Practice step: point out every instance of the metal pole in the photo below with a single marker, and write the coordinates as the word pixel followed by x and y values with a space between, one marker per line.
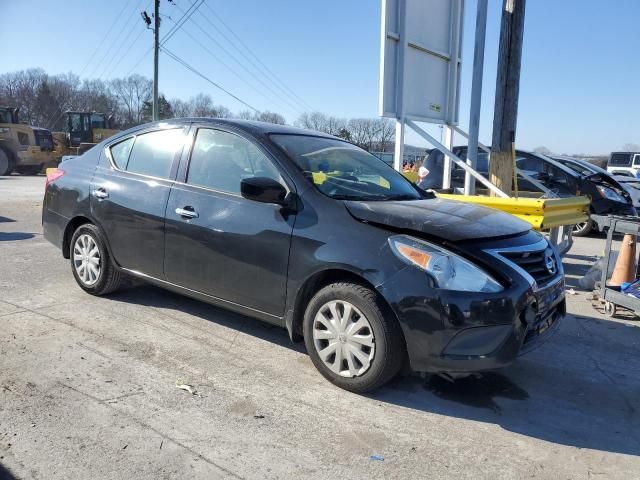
pixel 448 142
pixel 476 95
pixel 398 154
pixel 156 46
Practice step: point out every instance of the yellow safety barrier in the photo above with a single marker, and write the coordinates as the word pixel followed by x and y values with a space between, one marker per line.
pixel 541 213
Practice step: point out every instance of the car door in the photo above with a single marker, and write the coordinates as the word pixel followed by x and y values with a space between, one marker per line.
pixel 129 194
pixel 218 242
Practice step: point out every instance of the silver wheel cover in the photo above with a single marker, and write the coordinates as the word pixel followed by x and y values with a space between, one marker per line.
pixel 343 338
pixel 86 259
pixel 578 227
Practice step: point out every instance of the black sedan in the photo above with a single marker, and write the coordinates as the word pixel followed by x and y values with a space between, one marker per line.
pixel 309 232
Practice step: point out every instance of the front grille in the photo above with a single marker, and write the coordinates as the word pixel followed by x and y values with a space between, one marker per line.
pixel 534 263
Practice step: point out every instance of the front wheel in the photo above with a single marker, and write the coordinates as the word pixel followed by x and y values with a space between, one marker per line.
pixel 583 229
pixel 6 163
pixel 352 337
pixel 91 264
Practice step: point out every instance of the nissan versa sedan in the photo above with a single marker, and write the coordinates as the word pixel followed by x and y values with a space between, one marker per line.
pixel 309 232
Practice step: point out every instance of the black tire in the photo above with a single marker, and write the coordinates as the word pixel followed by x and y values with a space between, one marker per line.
pixel 583 229
pixel 389 352
pixel 6 162
pixel 109 278
pixel 29 169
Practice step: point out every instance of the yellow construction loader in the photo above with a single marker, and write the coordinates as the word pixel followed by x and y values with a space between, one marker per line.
pixel 23 148
pixel 83 130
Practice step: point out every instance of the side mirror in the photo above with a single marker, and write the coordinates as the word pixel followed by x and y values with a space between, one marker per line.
pixel 264 190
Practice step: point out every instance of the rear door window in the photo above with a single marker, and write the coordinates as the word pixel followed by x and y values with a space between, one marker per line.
pixel 153 153
pixel 220 160
pixel 636 160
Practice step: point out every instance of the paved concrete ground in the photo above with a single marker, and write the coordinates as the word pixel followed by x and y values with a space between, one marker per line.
pixel 88 389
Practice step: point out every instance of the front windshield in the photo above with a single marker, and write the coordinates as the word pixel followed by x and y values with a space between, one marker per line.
pixel 343 171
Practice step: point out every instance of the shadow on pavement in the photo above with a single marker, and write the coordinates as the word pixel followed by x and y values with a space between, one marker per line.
pixel 581 388
pixel 13 236
pixel 573 273
pixel 156 297
pixel 5 474
pixel 6 219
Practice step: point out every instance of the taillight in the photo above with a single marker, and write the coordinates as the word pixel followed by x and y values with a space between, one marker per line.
pixel 52 175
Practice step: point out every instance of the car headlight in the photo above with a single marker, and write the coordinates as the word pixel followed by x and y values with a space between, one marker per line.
pixel 610 194
pixel 449 270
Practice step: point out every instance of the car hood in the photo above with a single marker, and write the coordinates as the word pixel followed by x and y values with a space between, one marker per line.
pixel 446 219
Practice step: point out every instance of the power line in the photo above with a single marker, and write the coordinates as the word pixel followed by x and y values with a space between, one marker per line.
pixel 125 43
pixel 266 68
pixel 104 38
pixel 204 77
pixel 123 56
pixel 140 61
pixel 176 26
pixel 118 36
pixel 249 60
pixel 228 67
pixel 295 110
pixel 181 21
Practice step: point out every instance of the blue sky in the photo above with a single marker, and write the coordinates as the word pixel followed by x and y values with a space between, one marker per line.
pixel 581 63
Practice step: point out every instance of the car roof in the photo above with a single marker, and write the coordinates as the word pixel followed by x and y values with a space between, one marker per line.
pixel 249 126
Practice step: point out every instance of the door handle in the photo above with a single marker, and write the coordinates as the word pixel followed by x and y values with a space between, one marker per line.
pixel 100 193
pixel 187 212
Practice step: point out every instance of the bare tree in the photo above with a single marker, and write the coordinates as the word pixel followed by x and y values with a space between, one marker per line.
pixel 131 93
pixel 180 108
pixel 386 134
pixel 245 115
pixel 270 117
pixel 543 150
pixel 631 147
pixel 358 129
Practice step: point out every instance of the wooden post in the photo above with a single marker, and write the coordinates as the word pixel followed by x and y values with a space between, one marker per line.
pixel 507 88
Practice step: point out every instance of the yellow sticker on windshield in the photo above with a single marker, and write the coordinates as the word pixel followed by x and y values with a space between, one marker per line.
pixel 319 177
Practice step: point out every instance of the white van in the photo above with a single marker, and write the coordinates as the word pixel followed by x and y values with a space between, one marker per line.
pixel 624 163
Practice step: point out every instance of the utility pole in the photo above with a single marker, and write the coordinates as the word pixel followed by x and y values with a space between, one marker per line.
pixel 156 47
pixel 505 115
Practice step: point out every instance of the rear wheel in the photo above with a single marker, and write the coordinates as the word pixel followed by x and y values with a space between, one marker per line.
pixel 352 338
pixel 6 163
pixel 91 264
pixel 583 229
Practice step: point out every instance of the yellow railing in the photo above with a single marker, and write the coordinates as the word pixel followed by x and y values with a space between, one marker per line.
pixel 541 213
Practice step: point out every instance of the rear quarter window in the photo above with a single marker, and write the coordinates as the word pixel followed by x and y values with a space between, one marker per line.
pixel 120 153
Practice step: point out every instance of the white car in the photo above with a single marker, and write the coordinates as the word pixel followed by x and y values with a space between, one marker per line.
pixel 624 163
